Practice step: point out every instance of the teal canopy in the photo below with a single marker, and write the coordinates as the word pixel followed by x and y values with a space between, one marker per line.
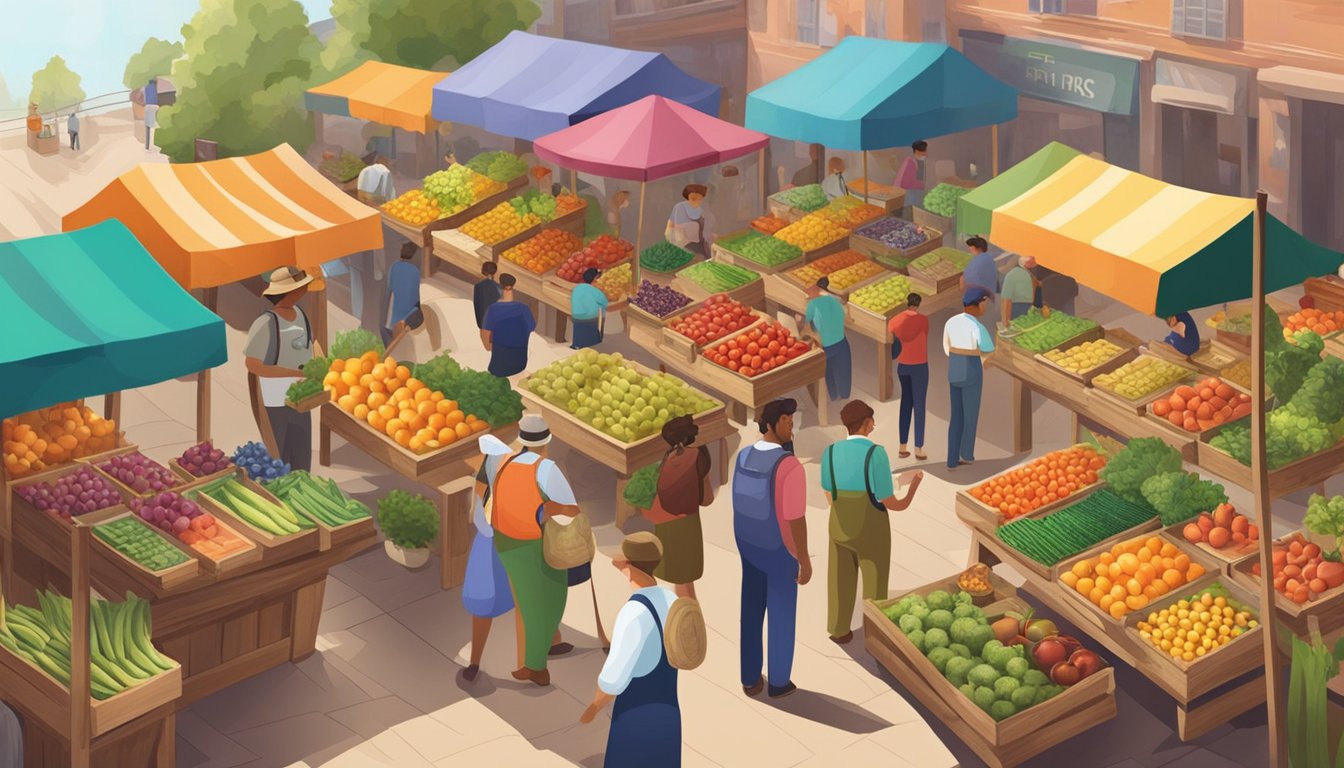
pixel 876 94
pixel 90 312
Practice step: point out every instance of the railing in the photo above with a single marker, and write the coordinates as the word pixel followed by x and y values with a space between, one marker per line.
pixel 94 105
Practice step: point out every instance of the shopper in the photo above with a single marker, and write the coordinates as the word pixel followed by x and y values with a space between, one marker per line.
pixel 769 501
pixel 910 330
pixel 686 227
pixel 834 186
pixel 910 176
pixel 529 489
pixel 279 343
pixel 588 309
pixel 646 719
pixel 826 315
pixel 1019 289
pixel 619 202
pixel 72 126
pixel 485 590
pixel 508 327
pixel 981 272
pixel 486 292
pixel 151 119
pixel 857 474
pixel 403 293
pixel 682 490
pixel 965 339
pixel 1184 336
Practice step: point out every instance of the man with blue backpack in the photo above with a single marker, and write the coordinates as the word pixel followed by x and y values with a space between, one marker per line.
pixel 769 502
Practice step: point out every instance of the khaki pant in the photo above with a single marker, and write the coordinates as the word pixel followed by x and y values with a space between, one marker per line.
pixel 860 544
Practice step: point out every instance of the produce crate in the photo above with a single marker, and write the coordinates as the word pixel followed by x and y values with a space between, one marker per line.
pixel 1139 406
pixel 159 582
pixel 386 450
pixel 94 460
pixel 1010 343
pixel 1230 555
pixel 1128 343
pixel 685 348
pixel 885 195
pixel 233 562
pixel 728 256
pixel 574 222
pixel 1180 430
pixel 783 210
pixel 941 284
pixel 752 293
pixel 190 479
pixel 273 548
pixel 874 324
pixel 556 290
pixel 21 508
pixel 309 403
pixel 1004 743
pixel 1306 471
pixel 930 220
pixel 987 519
pixel 423 235
pixel 1326 608
pixel 335 536
pixel 894 256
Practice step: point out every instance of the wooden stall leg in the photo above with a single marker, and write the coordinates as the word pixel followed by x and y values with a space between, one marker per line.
pixel 112 407
pixel 736 411
pixel 203 406
pixel 455 534
pixel 1021 417
pixel 323 442
pixel 980 553
pixel 1193 722
pixel 723 461
pixel 885 385
pixel 623 509
pixel 307 615
pixel 560 320
pixel 81 731
pixel 821 398
pixel 165 753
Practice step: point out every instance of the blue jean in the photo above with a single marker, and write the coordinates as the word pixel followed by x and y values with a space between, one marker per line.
pixel 769 585
pixel 965 381
pixel 914 391
pixel 839 370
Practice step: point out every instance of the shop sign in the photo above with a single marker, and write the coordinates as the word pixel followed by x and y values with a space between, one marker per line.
pixel 1069 75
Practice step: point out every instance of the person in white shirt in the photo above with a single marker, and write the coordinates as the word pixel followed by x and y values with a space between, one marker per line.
pixel 834 186
pixel 965 340
pixel 279 343
pixel 646 720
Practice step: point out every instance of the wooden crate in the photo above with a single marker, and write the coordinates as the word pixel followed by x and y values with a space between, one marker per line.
pixel 1305 472
pixel 1166 423
pixel 233 562
pixel 555 290
pixel 20 506
pixel 573 222
pixel 930 220
pixel 403 460
pixel 987 519
pixel 190 479
pixel 874 324
pixel 752 294
pixel 1010 344
pixel 423 236
pixel 756 391
pixel 273 548
pixel 160 582
pixel 1326 608
pixel 1228 555
pixel 309 403
pixel 93 461
pixel 685 348
pixel 729 256
pixel 894 256
pixel 329 536
pixel 1004 743
pixel 1056 378
pixel 783 210
pixel 884 195
pixel 1140 405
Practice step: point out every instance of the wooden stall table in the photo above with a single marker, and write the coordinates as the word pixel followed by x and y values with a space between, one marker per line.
pixel 443 470
pixel 885 195
pixel 423 236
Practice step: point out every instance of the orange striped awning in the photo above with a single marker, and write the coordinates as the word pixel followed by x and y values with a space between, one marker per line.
pixel 218 222
pixel 382 93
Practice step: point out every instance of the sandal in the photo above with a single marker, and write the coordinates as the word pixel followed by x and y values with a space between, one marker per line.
pixel 903 454
pixel 921 455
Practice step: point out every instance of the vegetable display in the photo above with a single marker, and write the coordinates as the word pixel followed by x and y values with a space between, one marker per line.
pixel 131 537
pixel 894 233
pixel 543 251
pixel 1200 624
pixel 843 279
pixel 1320 321
pixel 257 463
pixel 768 224
pixel 717 277
pixel 137 472
pixel 1312 419
pixel 78 493
pixel 717 317
pixel 941 262
pixel 317 499
pixel 204 459
pixel 51 436
pixel 601 253
pixel 1141 377
pixel 762 249
pixel 1140 459
pixel 1196 409
pixel 1325 517
pixel 1050 332
pixel 342 168
pixel 659 300
pixel 761 349
pixel 1074 529
pixel 809 197
pixel 1132 574
pixel 884 295
pixel 811 232
pixel 1302 571
pixel 408 520
pixel 943 198
pixel 1179 496
pixel 254 509
pixel 1224 528
pixel 476 392
pixel 302 389
pixel 850 212
pixel 664 257
pixel 809 274
pixel 643 486
pixel 120 652
pixel 498 165
pixel 1314 665
pixel 1052 477
pixel 1081 358
pixel 354 343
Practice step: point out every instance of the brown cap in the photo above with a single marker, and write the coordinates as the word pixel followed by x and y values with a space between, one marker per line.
pixel 641 547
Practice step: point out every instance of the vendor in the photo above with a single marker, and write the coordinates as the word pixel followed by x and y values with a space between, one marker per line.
pixel 826 315
pixel 588 308
pixel 619 202
pixel 1019 289
pixel 834 186
pixel 1184 336
pixel 279 343
pixel 686 226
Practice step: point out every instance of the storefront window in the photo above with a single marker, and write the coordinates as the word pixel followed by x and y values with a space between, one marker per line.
pixel 809 12
pixel 1200 18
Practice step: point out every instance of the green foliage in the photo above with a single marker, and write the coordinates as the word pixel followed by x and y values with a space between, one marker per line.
pixel 242 81
pixel 55 86
pixel 943 198
pixel 355 343
pixel 500 166
pixel 643 485
pixel 663 256
pixel 532 201
pixel 809 197
pixel 1322 392
pixel 302 388
pixel 1309 340
pixel 1287 368
pixel 1314 664
pixel 1325 517
pixel 1179 496
pixel 421 33
pixel 1289 435
pixel 155 58
pixel 1141 459
pixel 489 397
pixel 408 520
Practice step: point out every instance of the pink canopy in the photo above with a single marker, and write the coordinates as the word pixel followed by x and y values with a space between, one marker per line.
pixel 646 140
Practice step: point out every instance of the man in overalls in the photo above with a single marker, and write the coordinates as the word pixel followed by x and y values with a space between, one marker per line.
pixel 646 721
pixel 857 474
pixel 769 500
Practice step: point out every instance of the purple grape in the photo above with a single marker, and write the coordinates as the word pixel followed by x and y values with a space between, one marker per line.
pixel 659 300
pixel 893 232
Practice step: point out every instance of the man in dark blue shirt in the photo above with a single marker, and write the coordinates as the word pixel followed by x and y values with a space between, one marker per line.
pixel 508 325
pixel 1184 336
pixel 486 292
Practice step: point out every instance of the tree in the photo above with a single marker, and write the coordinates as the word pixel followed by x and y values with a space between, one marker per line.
pixel 241 83
pixel 421 33
pixel 55 86
pixel 154 58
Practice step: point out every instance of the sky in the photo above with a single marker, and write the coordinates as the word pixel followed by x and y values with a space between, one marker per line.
pixel 96 37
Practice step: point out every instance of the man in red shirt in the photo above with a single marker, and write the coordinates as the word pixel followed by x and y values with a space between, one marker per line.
pixel 910 333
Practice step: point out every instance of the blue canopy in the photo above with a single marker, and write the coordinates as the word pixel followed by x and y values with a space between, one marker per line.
pixel 876 94
pixel 90 312
pixel 527 86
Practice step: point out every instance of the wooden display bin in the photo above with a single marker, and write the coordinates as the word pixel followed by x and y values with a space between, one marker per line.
pixel 190 479
pixel 894 257
pixel 467 253
pixel 884 195
pixel 573 222
pixel 1139 406
pixel 777 207
pixel 1326 608
pixel 423 235
pixel 273 548
pixel 1054 376
pixel 1001 744
pixel 1303 473
pixel 159 582
pixel 752 293
pixel 556 290
pixel 930 220
pixel 1228 555
pixel 729 256
pixel 309 403
pixel 874 324
pixel 95 460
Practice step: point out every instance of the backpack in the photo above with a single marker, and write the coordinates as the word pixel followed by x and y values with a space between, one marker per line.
pixel 684 637
pixel 273 348
pixel 867 485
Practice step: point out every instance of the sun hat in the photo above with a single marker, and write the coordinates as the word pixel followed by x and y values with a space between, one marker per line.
pixel 286 279
pixel 533 432
pixel 640 547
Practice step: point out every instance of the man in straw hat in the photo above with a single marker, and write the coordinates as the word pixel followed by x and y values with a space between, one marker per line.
pixel 279 344
pixel 646 720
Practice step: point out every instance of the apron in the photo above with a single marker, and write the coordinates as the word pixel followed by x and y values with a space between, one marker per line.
pixel 856 521
pixel 587 333
pixel 540 590
pixel 697 246
pixel 646 718
pixel 963 370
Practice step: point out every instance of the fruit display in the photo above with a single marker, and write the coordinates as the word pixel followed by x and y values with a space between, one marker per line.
pixel 343 168
pixel 762 249
pixel 257 464
pixel 1197 625
pixel 78 493
pixel 498 165
pixel 137 472
pixel 643 486
pixel 616 282
pixel 1132 574
pixel 768 224
pixel 392 401
pixel 883 296
pixel 476 392
pixel 1224 528
pixel 761 349
pixel 317 499
pixel 1048 479
pixel 843 279
pixel 544 251
pixel 203 459
pixel 566 203
pixel 51 436
pixel 717 317
pixel 1238 373
pixel 1081 358
pixel 499 224
pixel 120 652
pixel 1302 573
pixel 134 539
pixel 894 233
pixel 1202 407
pixel 1073 529
pixel 1322 322
pixel 850 212
pixel 809 197
pixel 809 274
pixel 942 199
pixel 1141 377
pixel 180 517
pixel 717 277
pixel 659 300
pixel 942 262
pixel 542 205
pixel 414 208
pixel 601 253
pixel 811 232
pixel 458 187
pixel 254 509
pixel 1048 332
pixel 663 256
pixel 608 393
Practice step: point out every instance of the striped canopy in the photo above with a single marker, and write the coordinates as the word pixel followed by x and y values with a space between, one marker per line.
pixel 1155 246
pixel 222 221
pixel 89 312
pixel 382 93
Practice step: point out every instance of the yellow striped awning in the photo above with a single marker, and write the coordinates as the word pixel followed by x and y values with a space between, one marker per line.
pixel 382 93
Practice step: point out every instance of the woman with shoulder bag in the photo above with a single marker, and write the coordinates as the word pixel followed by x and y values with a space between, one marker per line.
pixel 683 488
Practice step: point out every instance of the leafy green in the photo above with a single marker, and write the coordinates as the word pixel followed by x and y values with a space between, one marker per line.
pixel 943 198
pixel 1322 392
pixel 1179 496
pixel 643 485
pixel 500 166
pixel 355 343
pixel 303 388
pixel 1309 340
pixel 1325 517
pixel 1141 459
pixel 408 520
pixel 532 201
pixel 488 397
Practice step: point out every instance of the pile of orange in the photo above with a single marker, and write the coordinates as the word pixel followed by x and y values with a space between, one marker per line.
pixel 414 207
pixel 851 212
pixel 498 224
pixel 567 203
pixel 1131 575
pixel 1321 321
pixel 768 224
pixel 1050 478
pixel 385 395
pixel 544 251
pixel 51 436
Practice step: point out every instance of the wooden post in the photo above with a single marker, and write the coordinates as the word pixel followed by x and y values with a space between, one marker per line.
pixel 1278 744
pixel 112 407
pixel 639 232
pixel 994 149
pixel 318 306
pixel 203 405
pixel 866 181
pixel 760 162
pixel 1022 437
pixel 574 180
pixel 80 702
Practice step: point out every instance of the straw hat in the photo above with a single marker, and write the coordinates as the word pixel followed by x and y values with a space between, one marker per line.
pixel 640 547
pixel 286 279
pixel 533 432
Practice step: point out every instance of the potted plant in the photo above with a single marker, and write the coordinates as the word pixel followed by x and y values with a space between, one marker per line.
pixel 409 523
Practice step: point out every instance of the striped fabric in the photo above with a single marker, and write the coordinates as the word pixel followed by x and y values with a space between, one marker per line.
pixel 382 93
pixel 222 221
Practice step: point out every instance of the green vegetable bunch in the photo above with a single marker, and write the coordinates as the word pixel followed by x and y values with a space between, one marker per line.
pixel 355 343
pixel 1314 665
pixel 541 203
pixel 643 485
pixel 1179 496
pixel 489 397
pixel 809 197
pixel 1325 517
pixel 500 166
pixel 1141 459
pixel 943 198
pixel 303 388
pixel 1309 340
pixel 408 520
pixel 664 257
pixel 1322 392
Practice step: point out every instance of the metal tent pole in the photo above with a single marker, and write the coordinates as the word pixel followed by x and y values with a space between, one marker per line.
pixel 639 231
